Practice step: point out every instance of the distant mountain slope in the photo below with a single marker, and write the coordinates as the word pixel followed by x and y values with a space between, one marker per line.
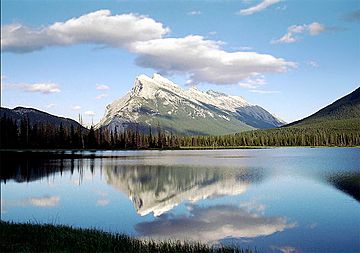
pixel 36 117
pixel 157 100
pixel 335 125
pixel 343 111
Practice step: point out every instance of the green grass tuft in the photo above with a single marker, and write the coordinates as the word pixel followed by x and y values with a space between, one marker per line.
pixel 26 237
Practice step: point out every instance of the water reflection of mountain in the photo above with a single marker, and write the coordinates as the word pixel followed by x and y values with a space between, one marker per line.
pixel 32 166
pixel 158 189
pixel 348 183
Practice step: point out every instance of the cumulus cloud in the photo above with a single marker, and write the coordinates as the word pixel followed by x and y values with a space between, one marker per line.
pixel 101 96
pixel 211 224
pixel 102 87
pixel 99 27
pixel 259 7
pixel 312 29
pixel 76 107
pixel 89 113
pixel 200 60
pixel 204 60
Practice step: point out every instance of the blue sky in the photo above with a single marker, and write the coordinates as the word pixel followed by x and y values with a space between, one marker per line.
pixel 71 57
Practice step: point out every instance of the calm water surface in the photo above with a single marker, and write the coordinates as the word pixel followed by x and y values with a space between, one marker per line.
pixel 279 200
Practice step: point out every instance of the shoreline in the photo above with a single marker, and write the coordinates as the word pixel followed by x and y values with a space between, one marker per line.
pixel 172 149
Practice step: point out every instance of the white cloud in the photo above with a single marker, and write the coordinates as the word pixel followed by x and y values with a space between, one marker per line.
pixel 102 87
pixel 245 48
pixel 313 64
pixel 204 61
pixel 287 38
pixel 76 107
pixel 194 13
pixel 50 106
pixel 259 7
pixel 297 28
pixel 99 27
pixel 215 223
pixel 101 193
pixel 102 202
pixel 47 201
pixel 103 95
pixel 281 8
pixel 212 33
pixel 312 29
pixel 265 91
pixel 89 113
pixel 253 82
pixel 285 249
pixel 44 88
pixel 316 28
pixel 253 206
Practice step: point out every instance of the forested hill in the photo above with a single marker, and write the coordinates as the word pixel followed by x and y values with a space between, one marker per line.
pixel 30 128
pixel 335 125
pixel 36 117
pixel 346 108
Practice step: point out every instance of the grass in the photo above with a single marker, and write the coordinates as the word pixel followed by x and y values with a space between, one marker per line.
pixel 26 237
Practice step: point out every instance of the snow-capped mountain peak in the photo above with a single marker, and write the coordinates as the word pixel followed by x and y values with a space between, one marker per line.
pixel 158 100
pixel 147 87
pixel 164 81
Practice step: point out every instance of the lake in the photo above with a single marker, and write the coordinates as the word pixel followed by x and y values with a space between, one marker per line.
pixel 277 200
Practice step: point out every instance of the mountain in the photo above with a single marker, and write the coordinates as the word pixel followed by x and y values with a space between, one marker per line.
pixel 157 100
pixel 157 189
pixel 343 113
pixel 36 117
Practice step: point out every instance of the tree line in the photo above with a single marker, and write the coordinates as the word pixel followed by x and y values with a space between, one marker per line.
pixel 23 135
pixel 278 137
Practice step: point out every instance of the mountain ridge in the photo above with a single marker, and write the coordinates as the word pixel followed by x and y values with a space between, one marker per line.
pixel 36 116
pixel 344 108
pixel 157 100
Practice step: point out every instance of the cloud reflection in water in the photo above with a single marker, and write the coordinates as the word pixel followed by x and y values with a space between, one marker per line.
pixel 211 224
